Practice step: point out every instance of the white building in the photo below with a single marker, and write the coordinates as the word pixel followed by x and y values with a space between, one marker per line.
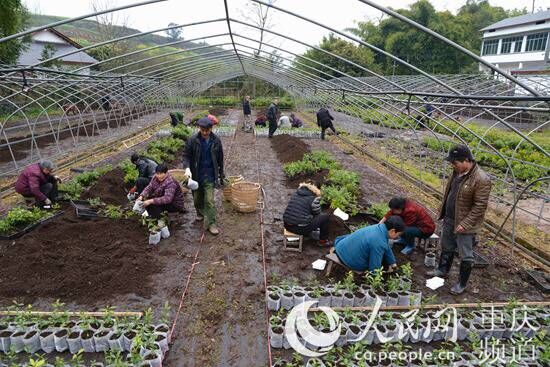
pixel 60 44
pixel 518 45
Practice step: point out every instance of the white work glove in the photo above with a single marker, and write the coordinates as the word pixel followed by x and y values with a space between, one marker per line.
pixel 188 173
pixel 131 196
pixel 47 202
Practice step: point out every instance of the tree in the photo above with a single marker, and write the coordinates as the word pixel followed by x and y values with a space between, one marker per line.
pixel 424 51
pixel 47 53
pixel 110 26
pixel 258 15
pixel 13 19
pixel 174 34
pixel 357 54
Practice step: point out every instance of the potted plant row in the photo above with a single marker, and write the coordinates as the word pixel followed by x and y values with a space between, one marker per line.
pixel 390 327
pixel 26 332
pixel 396 290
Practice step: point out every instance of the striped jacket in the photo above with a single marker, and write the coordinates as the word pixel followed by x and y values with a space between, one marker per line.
pixel 165 192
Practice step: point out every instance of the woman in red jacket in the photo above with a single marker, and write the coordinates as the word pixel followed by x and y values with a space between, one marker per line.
pixel 418 222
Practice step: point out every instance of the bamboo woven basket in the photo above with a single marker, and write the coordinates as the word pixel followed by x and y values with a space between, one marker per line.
pixel 178 174
pixel 244 196
pixel 229 181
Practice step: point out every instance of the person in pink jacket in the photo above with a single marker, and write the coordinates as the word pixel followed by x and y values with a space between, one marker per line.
pixel 38 181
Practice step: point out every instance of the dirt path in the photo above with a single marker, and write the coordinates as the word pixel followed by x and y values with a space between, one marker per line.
pixel 223 320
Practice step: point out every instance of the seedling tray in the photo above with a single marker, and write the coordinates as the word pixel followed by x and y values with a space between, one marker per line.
pixel 29 228
pixel 541 279
pixel 84 210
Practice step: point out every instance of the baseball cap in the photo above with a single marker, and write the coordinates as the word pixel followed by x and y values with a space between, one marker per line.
pixel 204 122
pixel 459 153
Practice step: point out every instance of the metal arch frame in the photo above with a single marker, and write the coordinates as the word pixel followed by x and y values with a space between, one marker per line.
pixel 297 82
pixel 231 34
pixel 403 62
pixel 70 20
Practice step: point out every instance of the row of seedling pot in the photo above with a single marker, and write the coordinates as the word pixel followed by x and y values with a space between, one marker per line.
pixel 437 358
pixel 364 295
pixel 94 337
pixel 391 327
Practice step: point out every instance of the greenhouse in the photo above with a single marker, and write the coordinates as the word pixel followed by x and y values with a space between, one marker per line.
pixel 244 196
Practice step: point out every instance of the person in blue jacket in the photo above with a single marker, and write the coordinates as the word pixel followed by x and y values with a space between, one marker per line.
pixel 368 248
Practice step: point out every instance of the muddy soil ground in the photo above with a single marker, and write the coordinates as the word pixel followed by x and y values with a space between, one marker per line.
pixel 223 319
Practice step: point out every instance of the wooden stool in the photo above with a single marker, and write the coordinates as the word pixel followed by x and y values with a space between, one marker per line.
pixel 332 258
pixel 429 244
pixel 292 237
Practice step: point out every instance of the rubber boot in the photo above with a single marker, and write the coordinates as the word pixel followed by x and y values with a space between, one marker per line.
pixel 464 275
pixel 445 263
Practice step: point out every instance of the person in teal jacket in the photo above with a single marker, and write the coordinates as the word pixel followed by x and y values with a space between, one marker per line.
pixel 368 248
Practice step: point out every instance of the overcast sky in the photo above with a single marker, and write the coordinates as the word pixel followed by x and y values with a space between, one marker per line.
pixel 337 14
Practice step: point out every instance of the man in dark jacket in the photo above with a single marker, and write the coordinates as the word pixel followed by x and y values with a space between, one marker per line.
pixel 324 121
pixel 418 222
pixel 462 211
pixel 273 116
pixel 38 181
pixel 203 160
pixel 303 214
pixel 247 126
pixel 146 170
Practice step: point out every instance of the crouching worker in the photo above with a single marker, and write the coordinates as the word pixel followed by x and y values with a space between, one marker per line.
pixel 261 121
pixel 418 223
pixel 37 181
pixel 368 248
pixel 295 121
pixel 176 118
pixel 163 194
pixel 146 171
pixel 303 214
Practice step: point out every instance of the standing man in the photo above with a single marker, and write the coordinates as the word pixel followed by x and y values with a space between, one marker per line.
pixel 203 160
pixel 462 211
pixel 418 222
pixel 38 181
pixel 273 116
pixel 324 121
pixel 246 112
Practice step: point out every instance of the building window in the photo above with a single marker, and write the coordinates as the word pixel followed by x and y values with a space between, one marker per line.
pixel 490 47
pixel 508 42
pixel 536 42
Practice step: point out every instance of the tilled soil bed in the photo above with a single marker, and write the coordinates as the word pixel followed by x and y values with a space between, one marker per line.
pixel 77 260
pixel 109 187
pixel 289 148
